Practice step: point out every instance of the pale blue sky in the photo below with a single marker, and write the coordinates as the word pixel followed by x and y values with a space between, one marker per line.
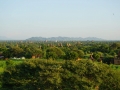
pixel 21 19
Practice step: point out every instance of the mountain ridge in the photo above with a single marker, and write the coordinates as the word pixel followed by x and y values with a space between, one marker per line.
pixel 64 39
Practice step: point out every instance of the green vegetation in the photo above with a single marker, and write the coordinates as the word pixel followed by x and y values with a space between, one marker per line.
pixel 115 67
pixel 61 65
pixel 66 75
pixel 71 50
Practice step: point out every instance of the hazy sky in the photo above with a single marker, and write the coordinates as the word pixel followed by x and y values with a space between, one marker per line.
pixel 21 19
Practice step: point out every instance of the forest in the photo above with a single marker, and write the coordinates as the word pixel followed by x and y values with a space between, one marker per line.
pixel 66 50
pixel 61 65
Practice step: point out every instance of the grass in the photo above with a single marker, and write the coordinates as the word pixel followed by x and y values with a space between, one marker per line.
pixel 1 70
pixel 3 64
pixel 115 67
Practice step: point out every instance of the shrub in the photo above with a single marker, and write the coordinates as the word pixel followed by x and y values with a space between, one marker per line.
pixel 68 75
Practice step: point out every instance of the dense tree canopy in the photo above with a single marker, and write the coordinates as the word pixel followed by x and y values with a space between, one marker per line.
pixel 68 75
pixel 69 50
pixel 70 65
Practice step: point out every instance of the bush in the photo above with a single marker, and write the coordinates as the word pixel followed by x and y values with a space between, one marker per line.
pixel 68 75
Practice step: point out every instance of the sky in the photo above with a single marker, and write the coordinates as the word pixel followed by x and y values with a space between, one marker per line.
pixel 22 19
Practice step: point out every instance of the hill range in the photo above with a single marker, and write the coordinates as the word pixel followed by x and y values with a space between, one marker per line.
pixel 57 39
pixel 64 39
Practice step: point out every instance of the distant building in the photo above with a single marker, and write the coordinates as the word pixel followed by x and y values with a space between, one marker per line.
pixel 117 61
pixel 33 57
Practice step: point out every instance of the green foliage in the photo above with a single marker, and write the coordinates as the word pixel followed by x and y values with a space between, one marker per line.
pixel 66 74
pixel 115 45
pixel 54 53
pixel 71 55
pixel 54 75
pixel 80 53
pixel 32 75
pixel 16 51
pixel 58 50
pixel 9 63
pixel 108 59
pixel 96 56
pixel 51 55
pixel 7 53
pixel 111 81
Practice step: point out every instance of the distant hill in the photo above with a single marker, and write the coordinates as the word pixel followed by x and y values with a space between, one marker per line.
pixel 64 39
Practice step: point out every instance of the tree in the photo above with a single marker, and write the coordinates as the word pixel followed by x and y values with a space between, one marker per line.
pixel 115 46
pixel 71 55
pixel 51 55
pixel 96 56
pixel 54 75
pixel 80 53
pixel 28 52
pixel 17 51
pixel 33 51
pixel 54 53
pixel 7 53
pixel 104 48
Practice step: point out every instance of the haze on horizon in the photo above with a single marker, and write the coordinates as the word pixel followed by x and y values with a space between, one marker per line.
pixel 22 19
